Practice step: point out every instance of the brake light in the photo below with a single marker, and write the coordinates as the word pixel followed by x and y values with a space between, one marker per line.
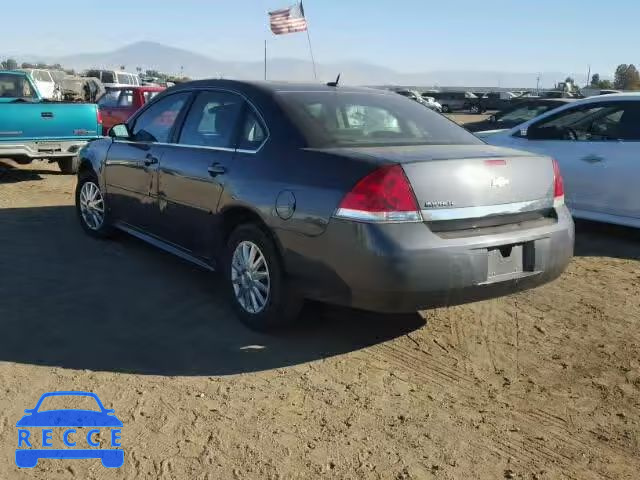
pixel 99 116
pixel 558 185
pixel 384 195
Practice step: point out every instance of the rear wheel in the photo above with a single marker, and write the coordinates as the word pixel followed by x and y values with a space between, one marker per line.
pixel 68 165
pixel 256 281
pixel 476 108
pixel 446 109
pixel 91 207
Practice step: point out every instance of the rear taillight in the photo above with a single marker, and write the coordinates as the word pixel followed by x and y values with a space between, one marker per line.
pixel 384 195
pixel 558 185
pixel 99 116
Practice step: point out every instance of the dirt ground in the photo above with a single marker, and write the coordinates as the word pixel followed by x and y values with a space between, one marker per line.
pixel 540 385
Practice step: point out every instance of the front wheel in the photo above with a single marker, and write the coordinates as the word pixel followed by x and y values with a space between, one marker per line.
pixel 257 285
pixel 91 207
pixel 446 109
pixel 476 109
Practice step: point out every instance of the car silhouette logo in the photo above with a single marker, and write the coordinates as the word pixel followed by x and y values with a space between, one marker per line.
pixel 27 457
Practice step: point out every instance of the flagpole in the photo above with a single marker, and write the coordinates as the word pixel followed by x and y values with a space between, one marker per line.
pixel 265 59
pixel 313 61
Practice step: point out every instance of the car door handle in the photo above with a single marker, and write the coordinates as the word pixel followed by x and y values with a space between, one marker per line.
pixel 150 160
pixel 592 159
pixel 216 169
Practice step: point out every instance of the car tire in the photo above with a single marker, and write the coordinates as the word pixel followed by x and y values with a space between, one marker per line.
pixel 476 109
pixel 446 109
pixel 89 200
pixel 271 305
pixel 68 165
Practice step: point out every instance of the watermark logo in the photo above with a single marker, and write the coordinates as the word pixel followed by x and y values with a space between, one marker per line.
pixel 42 432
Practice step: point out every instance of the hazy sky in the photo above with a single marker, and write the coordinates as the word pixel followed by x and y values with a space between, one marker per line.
pixel 406 35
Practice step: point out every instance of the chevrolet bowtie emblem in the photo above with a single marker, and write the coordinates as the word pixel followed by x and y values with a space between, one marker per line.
pixel 499 182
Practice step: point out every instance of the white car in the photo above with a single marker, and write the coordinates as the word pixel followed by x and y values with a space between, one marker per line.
pixel 596 142
pixel 45 83
pixel 114 78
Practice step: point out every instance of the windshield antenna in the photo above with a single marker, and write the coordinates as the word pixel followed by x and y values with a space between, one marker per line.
pixel 334 84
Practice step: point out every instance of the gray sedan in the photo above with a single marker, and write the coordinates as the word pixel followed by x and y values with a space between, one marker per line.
pixel 344 195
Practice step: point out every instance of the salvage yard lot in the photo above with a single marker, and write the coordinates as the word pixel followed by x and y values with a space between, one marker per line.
pixel 544 384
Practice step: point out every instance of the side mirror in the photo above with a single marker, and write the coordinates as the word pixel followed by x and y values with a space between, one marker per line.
pixel 119 131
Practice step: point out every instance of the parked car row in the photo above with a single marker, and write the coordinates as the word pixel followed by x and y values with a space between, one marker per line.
pixel 31 127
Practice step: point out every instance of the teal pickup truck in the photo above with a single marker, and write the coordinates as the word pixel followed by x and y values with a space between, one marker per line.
pixel 32 128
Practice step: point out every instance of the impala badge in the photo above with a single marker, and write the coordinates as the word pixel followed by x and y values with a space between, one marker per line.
pixel 499 182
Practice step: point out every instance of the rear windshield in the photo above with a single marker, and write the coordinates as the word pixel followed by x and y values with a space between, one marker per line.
pixel 346 119
pixel 15 86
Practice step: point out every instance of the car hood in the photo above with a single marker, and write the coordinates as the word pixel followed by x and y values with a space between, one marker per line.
pixel 69 418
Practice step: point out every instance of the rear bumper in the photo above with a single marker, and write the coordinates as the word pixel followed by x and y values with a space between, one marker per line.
pixel 41 149
pixel 406 267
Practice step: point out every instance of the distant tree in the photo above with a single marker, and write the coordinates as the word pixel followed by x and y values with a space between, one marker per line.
pixel 569 80
pixel 605 84
pixel 27 65
pixel 627 77
pixel 595 80
pixel 9 64
pixel 57 66
pixel 154 73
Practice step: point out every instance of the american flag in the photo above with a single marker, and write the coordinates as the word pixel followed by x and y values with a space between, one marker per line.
pixel 288 20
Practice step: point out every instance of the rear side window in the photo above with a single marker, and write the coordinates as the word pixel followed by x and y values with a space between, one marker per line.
pixel 108 77
pixel 252 133
pixel 334 119
pixel 42 76
pixel 212 120
pixel 109 99
pixel 157 121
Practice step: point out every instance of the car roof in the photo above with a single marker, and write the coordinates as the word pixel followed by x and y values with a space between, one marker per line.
pixel 145 88
pixel 633 96
pixel 14 72
pixel 275 87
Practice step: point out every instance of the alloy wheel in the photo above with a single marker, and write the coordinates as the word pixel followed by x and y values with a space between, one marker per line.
pixel 92 205
pixel 250 277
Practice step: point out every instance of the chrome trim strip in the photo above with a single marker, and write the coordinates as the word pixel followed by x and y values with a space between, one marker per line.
pixel 156 242
pixel 377 217
pixel 440 214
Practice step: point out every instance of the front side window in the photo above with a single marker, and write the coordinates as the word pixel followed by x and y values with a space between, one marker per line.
pixel 126 99
pixel 157 121
pixel 212 120
pixel 149 95
pixel 334 119
pixel 597 122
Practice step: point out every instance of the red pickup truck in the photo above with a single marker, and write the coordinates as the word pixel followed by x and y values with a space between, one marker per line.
pixel 119 103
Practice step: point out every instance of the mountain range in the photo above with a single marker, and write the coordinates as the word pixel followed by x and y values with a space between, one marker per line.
pixel 167 59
